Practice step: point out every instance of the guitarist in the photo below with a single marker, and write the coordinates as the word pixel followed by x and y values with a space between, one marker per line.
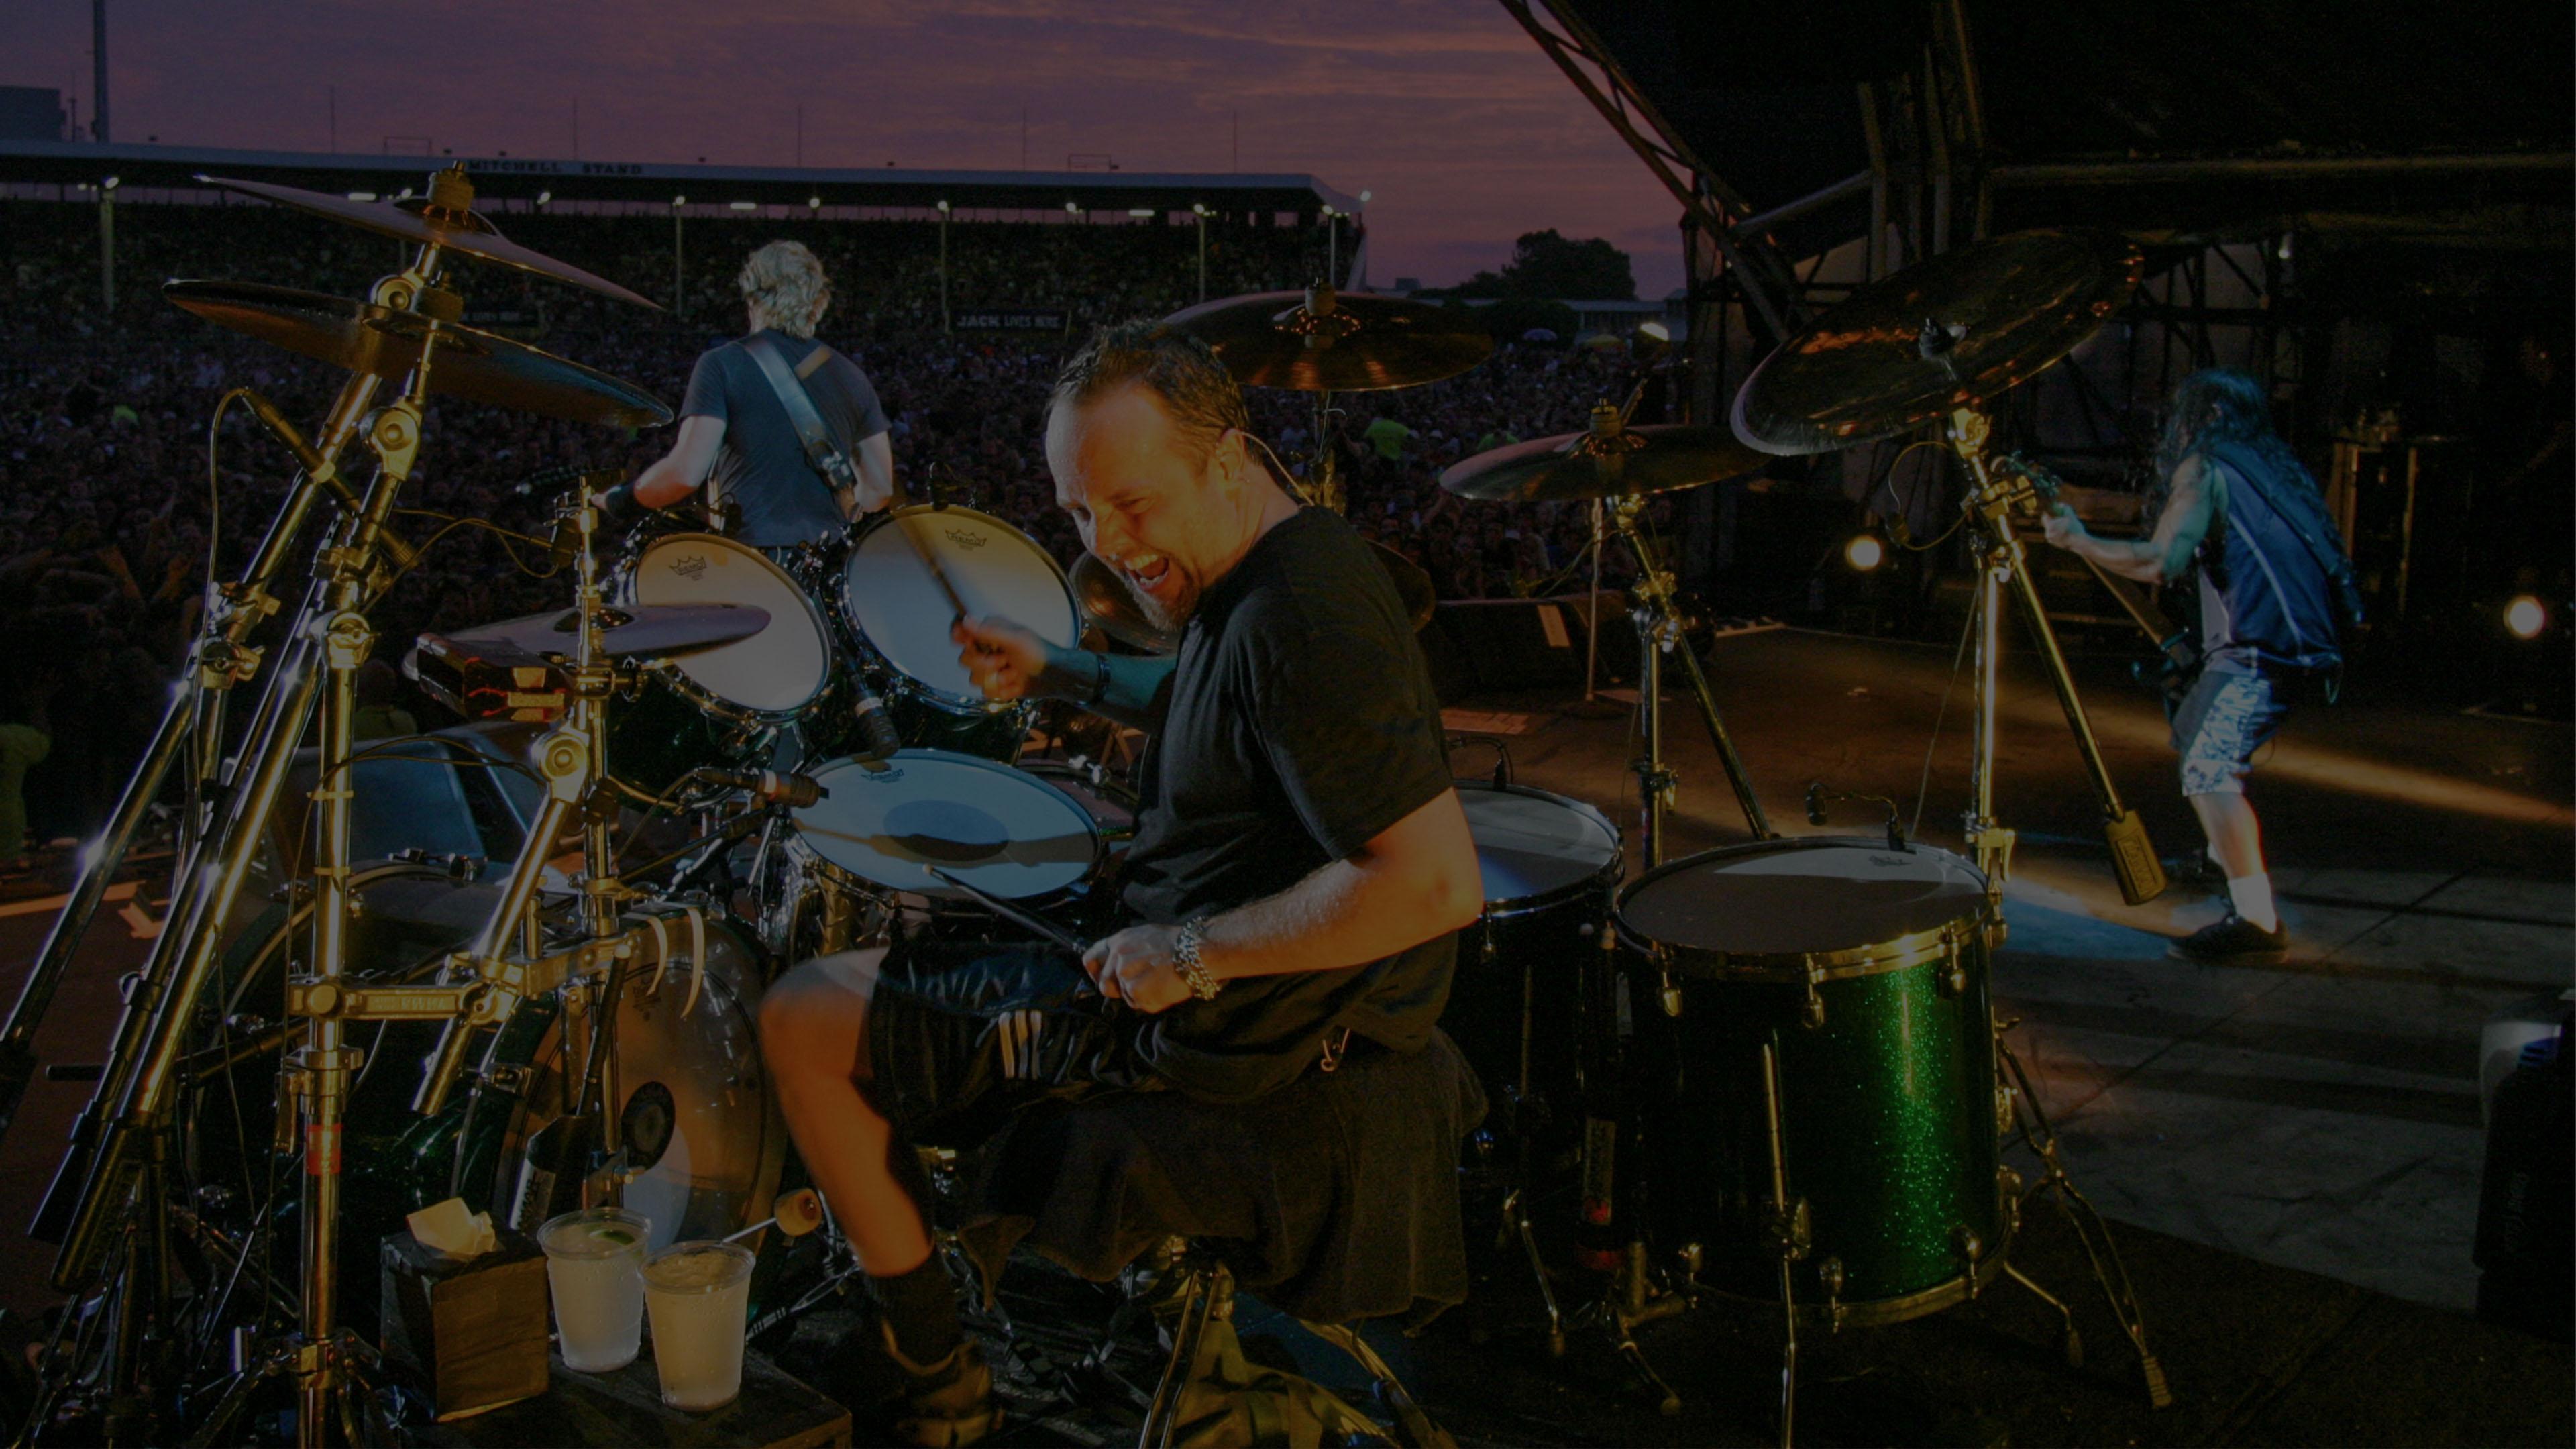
pixel 2275 596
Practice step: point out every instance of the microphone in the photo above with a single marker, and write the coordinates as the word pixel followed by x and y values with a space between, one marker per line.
pixel 877 726
pixel 1815 802
pixel 773 787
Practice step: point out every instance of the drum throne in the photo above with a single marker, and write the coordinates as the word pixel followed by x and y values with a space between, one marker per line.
pixel 1335 1199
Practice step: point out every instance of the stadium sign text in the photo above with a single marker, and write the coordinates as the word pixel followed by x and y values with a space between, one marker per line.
pixel 553 168
pixel 1012 319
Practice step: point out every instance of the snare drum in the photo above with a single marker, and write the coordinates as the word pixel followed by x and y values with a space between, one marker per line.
pixel 901 616
pixel 1866 967
pixel 1516 1004
pixel 881 826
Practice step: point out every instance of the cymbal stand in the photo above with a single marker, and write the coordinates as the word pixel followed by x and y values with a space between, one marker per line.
pixel 2003 564
pixel 190 734
pixel 1659 630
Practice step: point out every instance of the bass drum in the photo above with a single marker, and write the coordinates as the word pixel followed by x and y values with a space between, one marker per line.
pixel 696 1108
pixel 1864 970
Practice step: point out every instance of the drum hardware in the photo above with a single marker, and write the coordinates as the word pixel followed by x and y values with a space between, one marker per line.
pixel 1028 921
pixel 1933 343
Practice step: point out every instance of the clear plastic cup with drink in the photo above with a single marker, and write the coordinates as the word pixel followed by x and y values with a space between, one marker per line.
pixel 700 1296
pixel 595 1269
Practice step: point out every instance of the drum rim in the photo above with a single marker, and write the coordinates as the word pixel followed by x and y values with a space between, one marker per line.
pixel 629 564
pixel 1835 1313
pixel 796 836
pixel 1980 921
pixel 846 564
pixel 1512 907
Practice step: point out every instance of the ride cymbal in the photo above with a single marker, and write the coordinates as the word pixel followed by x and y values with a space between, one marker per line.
pixel 1321 340
pixel 1654 458
pixel 1947 332
pixel 468 363
pixel 462 231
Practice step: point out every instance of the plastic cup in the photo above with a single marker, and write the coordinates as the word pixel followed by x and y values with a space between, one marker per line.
pixel 700 1296
pixel 595 1269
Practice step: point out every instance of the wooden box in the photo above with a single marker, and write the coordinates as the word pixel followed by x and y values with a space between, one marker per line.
pixel 472 1332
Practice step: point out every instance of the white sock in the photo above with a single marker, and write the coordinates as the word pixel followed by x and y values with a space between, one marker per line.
pixel 2253 897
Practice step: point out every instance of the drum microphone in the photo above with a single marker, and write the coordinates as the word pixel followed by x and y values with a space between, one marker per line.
pixel 877 726
pixel 772 787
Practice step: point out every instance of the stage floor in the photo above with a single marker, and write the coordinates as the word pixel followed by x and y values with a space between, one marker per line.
pixel 2291 1153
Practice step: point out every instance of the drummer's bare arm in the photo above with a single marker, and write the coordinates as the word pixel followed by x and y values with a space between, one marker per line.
pixel 1007 661
pixel 876 477
pixel 677 474
pixel 1412 881
pixel 2196 496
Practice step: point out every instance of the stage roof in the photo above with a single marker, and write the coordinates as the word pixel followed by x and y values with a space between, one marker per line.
pixel 522 178
pixel 2201 117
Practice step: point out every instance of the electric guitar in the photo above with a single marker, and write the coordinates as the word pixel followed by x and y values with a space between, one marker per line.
pixel 2177 645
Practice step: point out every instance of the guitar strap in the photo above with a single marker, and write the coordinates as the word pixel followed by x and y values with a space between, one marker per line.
pixel 826 455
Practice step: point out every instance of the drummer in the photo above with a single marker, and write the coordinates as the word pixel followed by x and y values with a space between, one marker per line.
pixel 734 429
pixel 1300 867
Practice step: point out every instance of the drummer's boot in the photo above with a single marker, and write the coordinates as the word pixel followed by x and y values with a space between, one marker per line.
pixel 943 1405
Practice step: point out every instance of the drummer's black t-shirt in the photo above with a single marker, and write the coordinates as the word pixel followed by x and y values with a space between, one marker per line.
pixel 762 473
pixel 1301 724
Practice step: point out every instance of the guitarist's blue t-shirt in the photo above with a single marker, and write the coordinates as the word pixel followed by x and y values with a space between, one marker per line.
pixel 2265 600
pixel 775 496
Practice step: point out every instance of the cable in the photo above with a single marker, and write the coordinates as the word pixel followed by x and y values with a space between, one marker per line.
pixel 1923 787
pixel 215 480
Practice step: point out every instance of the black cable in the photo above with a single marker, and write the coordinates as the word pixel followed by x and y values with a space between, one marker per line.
pixel 1923 787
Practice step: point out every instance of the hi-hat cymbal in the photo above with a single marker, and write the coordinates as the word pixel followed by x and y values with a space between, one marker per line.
pixel 467 232
pixel 1326 341
pixel 645 631
pixel 1947 332
pixel 1653 458
pixel 468 363
pixel 1106 601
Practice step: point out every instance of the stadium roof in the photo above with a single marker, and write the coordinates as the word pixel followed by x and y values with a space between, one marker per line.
pixel 72 163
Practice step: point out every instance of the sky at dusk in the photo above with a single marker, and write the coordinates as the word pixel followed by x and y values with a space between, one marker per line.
pixel 1464 132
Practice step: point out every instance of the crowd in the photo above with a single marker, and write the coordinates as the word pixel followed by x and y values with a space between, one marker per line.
pixel 108 521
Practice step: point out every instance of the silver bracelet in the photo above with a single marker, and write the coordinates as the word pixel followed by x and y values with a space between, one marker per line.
pixel 1185 960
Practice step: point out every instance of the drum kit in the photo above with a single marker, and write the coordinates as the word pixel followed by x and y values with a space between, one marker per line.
pixel 1786 1048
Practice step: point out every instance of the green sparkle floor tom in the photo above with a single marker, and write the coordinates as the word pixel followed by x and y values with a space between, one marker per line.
pixel 1864 967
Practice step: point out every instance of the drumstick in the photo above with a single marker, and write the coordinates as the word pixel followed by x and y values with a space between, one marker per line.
pixel 1025 919
pixel 930 561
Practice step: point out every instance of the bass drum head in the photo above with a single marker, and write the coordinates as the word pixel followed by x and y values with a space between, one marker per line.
pixel 774 672
pixel 894 603
pixel 693 1094
pixel 1786 897
pixel 1009 833
pixel 1532 846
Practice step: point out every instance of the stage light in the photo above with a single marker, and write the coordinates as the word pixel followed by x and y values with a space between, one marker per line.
pixel 109 184
pixel 1364 198
pixel 680 200
pixel 943 203
pixel 743 205
pixel 362 196
pixel 2526 616
pixel 813 203
pixel 1072 209
pixel 1864 552
pixel 1201 209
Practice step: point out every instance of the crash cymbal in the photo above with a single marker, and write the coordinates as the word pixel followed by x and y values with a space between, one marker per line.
pixel 469 363
pixel 1598 464
pixel 641 631
pixel 1321 340
pixel 425 223
pixel 1947 332
pixel 1106 602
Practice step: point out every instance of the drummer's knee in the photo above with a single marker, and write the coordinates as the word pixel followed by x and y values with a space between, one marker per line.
pixel 815 1017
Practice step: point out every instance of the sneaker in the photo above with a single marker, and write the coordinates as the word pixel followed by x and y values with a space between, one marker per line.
pixel 945 1405
pixel 2232 940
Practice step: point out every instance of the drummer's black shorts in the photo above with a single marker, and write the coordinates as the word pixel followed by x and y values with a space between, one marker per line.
pixel 962 1034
